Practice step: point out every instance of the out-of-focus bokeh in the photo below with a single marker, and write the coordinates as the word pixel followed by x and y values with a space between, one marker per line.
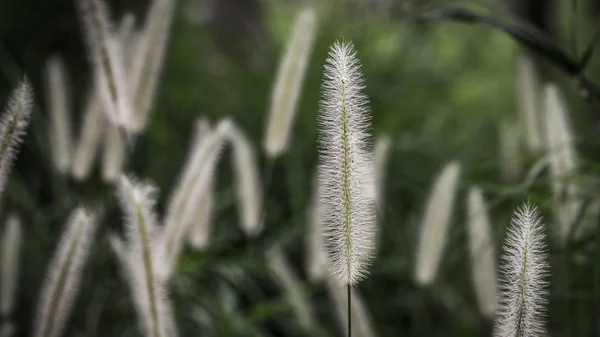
pixel 441 86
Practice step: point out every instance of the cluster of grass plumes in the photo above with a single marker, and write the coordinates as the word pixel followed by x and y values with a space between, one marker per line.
pixel 185 270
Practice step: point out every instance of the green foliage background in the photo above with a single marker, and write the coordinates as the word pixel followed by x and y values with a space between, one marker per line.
pixel 438 88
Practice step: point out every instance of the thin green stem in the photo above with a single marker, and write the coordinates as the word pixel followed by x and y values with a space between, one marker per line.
pixel 349 287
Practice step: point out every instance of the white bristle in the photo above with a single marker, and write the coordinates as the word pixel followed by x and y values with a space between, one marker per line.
pixel 60 113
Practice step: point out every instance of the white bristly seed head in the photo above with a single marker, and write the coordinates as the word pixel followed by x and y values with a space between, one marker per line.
pixel 192 185
pixel 528 95
pixel 346 166
pixel 288 85
pixel 90 135
pixel 524 270
pixel 13 126
pixel 562 166
pixel 64 275
pixel 435 224
pixel 106 52
pixel 60 113
pixel 483 253
pixel 11 250
pixel 247 181
pixel 138 203
pixel 148 60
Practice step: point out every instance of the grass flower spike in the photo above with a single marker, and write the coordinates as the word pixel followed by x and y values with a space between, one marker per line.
pixel 483 254
pixel 90 135
pixel 64 275
pixel 435 224
pixel 138 203
pixel 528 95
pixel 107 57
pixel 60 114
pixel 346 166
pixel 523 275
pixel 114 153
pixel 247 180
pixel 288 85
pixel 11 250
pixel 13 126
pixel 562 161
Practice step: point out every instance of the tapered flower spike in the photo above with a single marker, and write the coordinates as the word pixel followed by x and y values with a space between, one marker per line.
pixel 562 166
pixel 528 95
pixel 60 114
pixel 107 57
pixel 361 321
pixel 192 185
pixel 199 236
pixel 247 181
pixel 297 298
pixel 524 270
pixel 64 275
pixel 138 202
pixel 88 143
pixel 509 144
pixel 483 253
pixel 346 166
pixel 11 250
pixel 13 126
pixel 288 85
pixel 149 59
pixel 316 253
pixel 435 224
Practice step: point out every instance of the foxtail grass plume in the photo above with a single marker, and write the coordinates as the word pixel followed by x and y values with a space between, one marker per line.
pixel 483 253
pixel 138 203
pixel 60 113
pixel 90 135
pixel 524 269
pixel 381 150
pixel 562 166
pixel 64 275
pixel 346 166
pixel 288 84
pixel 287 278
pixel 107 56
pixel 528 95
pixel 247 181
pixel 316 253
pixel 361 322
pixel 149 60
pixel 13 127
pixel 114 153
pixel 11 251
pixel 192 185
pixel 509 136
pixel 435 224
pixel 199 235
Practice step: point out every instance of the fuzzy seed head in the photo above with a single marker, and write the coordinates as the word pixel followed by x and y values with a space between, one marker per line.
pixel 13 127
pixel 435 224
pixel 64 275
pixel 483 253
pixel 60 114
pixel 94 122
pixel 523 277
pixel 114 153
pixel 288 85
pixel 247 181
pixel 346 165
pixel 528 95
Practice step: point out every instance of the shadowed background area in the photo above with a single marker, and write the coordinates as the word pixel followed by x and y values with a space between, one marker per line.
pixel 439 87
